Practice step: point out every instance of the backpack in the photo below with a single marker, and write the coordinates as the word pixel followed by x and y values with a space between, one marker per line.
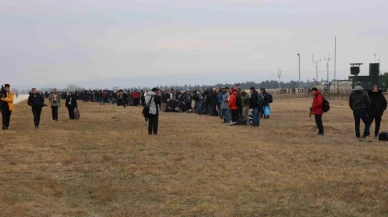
pixel 146 109
pixel 325 105
pixel 241 121
pixel 383 136
pixel 238 100
pixel 77 114
pixel 260 100
pixel 270 99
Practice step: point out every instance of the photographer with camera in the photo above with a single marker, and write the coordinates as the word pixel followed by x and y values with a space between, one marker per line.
pixel 55 102
pixel 36 101
pixel 6 105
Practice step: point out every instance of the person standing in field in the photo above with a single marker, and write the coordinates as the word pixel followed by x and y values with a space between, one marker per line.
pixel 155 101
pixel 245 105
pixel 55 102
pixel 316 110
pixel 220 97
pixel 359 102
pixel 254 106
pixel 6 105
pixel 225 106
pixel 36 101
pixel 71 105
pixel 378 104
pixel 233 106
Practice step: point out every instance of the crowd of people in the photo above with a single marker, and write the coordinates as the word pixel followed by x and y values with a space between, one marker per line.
pixel 230 104
pixel 119 97
pixel 233 105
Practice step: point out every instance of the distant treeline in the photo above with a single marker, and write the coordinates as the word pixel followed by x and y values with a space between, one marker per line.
pixel 244 85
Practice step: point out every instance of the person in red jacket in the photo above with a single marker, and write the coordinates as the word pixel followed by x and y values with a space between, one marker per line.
pixel 233 106
pixel 316 110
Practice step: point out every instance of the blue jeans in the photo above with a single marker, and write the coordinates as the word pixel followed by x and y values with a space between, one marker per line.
pixel 198 107
pixel 102 101
pixel 226 115
pixel 256 117
pixel 358 116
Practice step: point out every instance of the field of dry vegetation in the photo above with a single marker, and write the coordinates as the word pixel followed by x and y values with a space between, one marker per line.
pixel 105 164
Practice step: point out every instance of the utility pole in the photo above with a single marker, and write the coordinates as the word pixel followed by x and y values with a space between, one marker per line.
pixel 316 66
pixel 299 69
pixel 280 75
pixel 328 60
pixel 375 59
pixel 335 58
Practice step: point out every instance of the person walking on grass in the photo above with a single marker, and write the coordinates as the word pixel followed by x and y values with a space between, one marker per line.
pixel 154 100
pixel 71 105
pixel 36 101
pixel 360 103
pixel 316 110
pixel 55 102
pixel 378 104
pixel 6 106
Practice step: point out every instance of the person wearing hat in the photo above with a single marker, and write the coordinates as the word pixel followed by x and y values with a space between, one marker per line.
pixel 6 105
pixel 154 100
pixel 359 102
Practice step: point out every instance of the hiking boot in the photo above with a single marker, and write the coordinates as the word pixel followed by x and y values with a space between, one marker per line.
pixel 364 136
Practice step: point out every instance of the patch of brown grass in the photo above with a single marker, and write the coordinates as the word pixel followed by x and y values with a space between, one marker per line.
pixel 107 165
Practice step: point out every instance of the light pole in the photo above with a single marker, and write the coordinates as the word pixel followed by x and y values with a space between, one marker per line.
pixel 375 59
pixel 280 75
pixel 299 68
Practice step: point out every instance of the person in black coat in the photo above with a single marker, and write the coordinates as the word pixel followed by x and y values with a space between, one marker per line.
pixel 71 105
pixel 36 101
pixel 377 107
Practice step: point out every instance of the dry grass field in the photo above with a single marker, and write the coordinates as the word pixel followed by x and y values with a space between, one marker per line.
pixel 105 164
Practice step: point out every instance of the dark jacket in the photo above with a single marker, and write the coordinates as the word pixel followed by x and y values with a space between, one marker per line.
pixel 165 96
pixel 266 97
pixel 378 103
pixel 73 101
pixel 36 101
pixel 253 100
pixel 359 100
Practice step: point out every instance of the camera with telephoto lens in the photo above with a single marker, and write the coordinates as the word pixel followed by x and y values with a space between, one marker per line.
pixel 2 94
pixel 2 90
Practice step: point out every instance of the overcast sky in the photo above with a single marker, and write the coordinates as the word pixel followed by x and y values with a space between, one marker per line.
pixel 148 42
